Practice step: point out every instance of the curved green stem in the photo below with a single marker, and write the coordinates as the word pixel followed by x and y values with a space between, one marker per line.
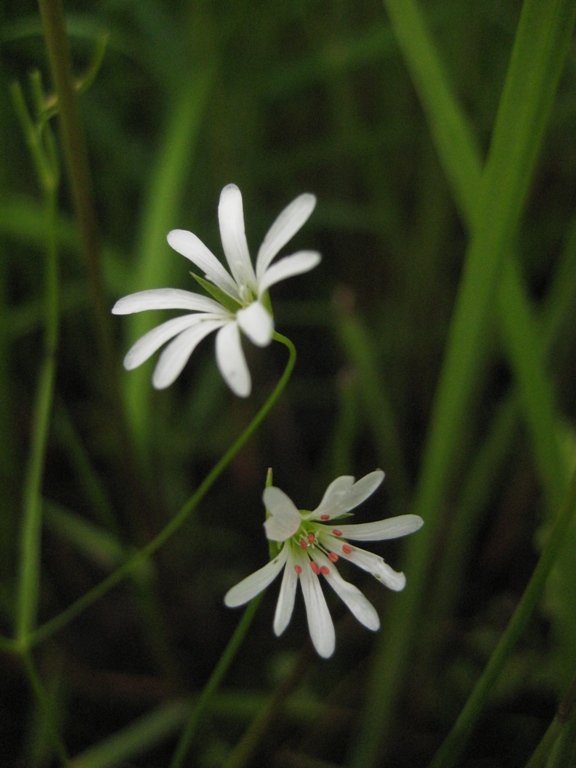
pixel 212 685
pixel 55 624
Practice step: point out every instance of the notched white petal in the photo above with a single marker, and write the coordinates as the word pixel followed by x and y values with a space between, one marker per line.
pixel 231 361
pixel 177 353
pixel 297 264
pixel 375 565
pixel 165 298
pixel 284 519
pixel 320 623
pixel 232 233
pixel 257 323
pixel 351 596
pixel 392 528
pixel 362 489
pixel 332 500
pixel 285 605
pixel 284 228
pixel 154 339
pixel 255 583
pixel 190 246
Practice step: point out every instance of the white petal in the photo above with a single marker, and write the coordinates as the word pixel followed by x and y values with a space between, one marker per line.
pixel 320 623
pixel 286 598
pixel 231 361
pixel 300 262
pixel 231 219
pixel 362 489
pixel 256 322
pixel 358 604
pixel 190 246
pixel 332 501
pixel 165 298
pixel 284 518
pixel 283 229
pixel 255 583
pixel 375 565
pixel 176 355
pixel 154 339
pixel 392 528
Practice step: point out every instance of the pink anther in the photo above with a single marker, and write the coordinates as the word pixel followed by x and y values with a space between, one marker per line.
pixel 336 532
pixel 347 549
pixel 315 567
pixel 298 569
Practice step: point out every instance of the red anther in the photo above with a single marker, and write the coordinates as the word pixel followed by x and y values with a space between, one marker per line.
pixel 298 569
pixel 315 567
pixel 324 517
pixel 347 549
pixel 325 570
pixel 303 543
pixel 333 556
pixel 311 538
pixel 336 532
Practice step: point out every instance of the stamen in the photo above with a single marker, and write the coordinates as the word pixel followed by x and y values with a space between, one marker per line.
pixel 298 569
pixel 336 532
pixel 315 567
pixel 347 549
pixel 324 517
pixel 311 538
pixel 325 570
pixel 333 557
pixel 303 543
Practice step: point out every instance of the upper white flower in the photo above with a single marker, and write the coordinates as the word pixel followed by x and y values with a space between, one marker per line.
pixel 310 544
pixel 238 301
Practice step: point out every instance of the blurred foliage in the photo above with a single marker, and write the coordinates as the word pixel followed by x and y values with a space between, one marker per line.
pixel 279 98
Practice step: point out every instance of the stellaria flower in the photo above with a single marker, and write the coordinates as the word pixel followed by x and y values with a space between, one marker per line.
pixel 239 298
pixel 311 543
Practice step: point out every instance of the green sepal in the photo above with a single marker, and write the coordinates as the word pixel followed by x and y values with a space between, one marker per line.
pixel 267 304
pixel 222 298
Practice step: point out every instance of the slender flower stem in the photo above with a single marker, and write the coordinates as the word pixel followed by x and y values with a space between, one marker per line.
pixel 452 748
pixel 55 624
pixel 213 683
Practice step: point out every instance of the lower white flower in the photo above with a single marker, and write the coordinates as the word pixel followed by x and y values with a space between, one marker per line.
pixel 311 543
pixel 239 298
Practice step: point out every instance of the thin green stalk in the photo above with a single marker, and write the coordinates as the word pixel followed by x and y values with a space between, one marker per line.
pixel 453 747
pixel 46 707
pixel 52 15
pixel 29 571
pixel 214 682
pixel 55 624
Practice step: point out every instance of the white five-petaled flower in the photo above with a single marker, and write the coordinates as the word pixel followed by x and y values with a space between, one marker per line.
pixel 310 543
pixel 239 297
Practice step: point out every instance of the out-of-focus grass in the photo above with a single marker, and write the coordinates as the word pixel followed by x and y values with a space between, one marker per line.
pixel 392 125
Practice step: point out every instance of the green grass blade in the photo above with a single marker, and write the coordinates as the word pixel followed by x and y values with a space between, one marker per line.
pixel 538 55
pixel 155 264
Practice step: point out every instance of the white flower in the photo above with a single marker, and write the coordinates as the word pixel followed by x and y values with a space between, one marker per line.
pixel 311 544
pixel 239 299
